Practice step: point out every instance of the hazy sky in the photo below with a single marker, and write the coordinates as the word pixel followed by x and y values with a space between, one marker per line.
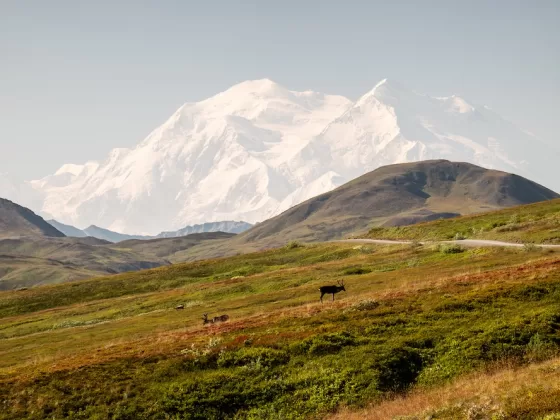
pixel 78 77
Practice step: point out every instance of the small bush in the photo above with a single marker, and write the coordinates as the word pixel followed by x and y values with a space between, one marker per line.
pixel 356 271
pixel 363 249
pixel 493 225
pixel 253 357
pixel 450 249
pixel 323 344
pixel 553 416
pixel 539 349
pixel 365 305
pixel 459 236
pixel 294 245
pixel 514 219
pixel 399 369
pixel 415 244
pixel 530 247
pixel 414 262
pixel 508 228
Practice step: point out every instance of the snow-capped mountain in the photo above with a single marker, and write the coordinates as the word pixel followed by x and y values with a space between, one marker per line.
pixel 257 149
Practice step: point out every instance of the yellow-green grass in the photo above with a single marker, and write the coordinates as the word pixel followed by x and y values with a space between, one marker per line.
pixel 505 392
pixel 115 347
pixel 534 223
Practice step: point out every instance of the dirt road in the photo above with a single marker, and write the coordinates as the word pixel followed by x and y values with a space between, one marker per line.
pixel 463 242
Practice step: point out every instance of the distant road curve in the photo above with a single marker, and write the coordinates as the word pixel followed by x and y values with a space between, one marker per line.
pixel 464 242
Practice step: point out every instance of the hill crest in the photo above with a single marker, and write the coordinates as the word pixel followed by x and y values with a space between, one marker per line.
pixel 19 221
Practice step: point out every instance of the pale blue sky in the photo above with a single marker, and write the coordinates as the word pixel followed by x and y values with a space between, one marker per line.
pixel 78 78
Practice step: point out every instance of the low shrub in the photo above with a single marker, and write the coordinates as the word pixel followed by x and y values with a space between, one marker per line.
pixel 530 247
pixel 356 271
pixel 399 369
pixel 511 227
pixel 253 357
pixel 294 245
pixel 450 249
pixel 539 349
pixel 365 305
pixel 324 344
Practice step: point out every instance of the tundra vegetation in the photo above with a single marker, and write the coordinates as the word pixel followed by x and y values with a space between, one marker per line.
pixel 417 324
pixel 537 223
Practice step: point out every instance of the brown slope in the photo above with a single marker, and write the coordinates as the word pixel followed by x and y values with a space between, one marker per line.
pixel 18 221
pixel 167 247
pixel 32 261
pixel 398 194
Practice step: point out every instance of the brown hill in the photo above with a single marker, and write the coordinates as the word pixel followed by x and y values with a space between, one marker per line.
pixel 168 247
pixel 30 261
pixel 397 195
pixel 388 196
pixel 18 221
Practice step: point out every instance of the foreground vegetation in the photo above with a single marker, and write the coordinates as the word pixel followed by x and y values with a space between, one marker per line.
pixel 534 223
pixel 518 392
pixel 413 319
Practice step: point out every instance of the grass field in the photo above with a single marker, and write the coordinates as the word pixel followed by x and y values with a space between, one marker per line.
pixel 534 223
pixel 414 320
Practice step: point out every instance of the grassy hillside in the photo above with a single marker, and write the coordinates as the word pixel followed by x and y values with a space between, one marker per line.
pixel 412 319
pixel 535 223
pixel 34 261
pixel 169 247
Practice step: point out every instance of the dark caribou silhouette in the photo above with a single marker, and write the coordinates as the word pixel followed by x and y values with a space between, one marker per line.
pixel 216 319
pixel 331 290
pixel 221 318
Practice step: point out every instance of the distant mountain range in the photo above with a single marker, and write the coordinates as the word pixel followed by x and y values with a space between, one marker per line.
pixel 257 149
pixel 107 235
pixel 34 252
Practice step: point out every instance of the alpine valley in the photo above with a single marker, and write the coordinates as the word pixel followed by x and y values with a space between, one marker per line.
pixel 257 149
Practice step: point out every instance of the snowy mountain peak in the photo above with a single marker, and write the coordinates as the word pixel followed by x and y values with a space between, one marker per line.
pixel 258 148
pixel 70 168
pixel 459 105
pixel 251 90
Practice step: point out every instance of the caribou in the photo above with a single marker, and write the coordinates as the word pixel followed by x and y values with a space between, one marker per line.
pixel 221 318
pixel 215 320
pixel 180 307
pixel 331 290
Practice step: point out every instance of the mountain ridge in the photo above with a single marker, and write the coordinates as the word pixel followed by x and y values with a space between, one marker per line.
pixel 18 221
pixel 226 226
